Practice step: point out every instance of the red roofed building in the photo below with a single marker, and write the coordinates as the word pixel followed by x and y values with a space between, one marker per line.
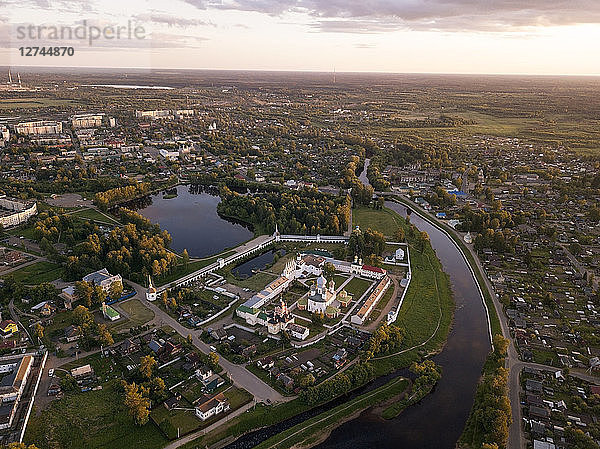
pixel 372 272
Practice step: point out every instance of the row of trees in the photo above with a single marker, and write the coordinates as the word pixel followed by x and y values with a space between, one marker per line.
pixel 491 414
pixel 119 194
pixel 353 377
pixel 94 295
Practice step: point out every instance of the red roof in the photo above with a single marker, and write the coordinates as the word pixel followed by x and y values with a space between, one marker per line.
pixel 595 389
pixel 375 269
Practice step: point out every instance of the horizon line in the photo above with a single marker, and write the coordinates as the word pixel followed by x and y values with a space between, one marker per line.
pixel 309 71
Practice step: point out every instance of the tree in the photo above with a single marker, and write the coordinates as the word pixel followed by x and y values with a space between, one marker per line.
pixel 21 446
pixel 84 291
pixel 213 360
pixel 116 290
pixel 147 364
pixel 104 335
pixel 157 386
pixel 38 331
pixel 137 404
pixel 399 234
pixel 81 315
pixel 328 270
pixel 186 258
pixel 99 295
pixel 423 238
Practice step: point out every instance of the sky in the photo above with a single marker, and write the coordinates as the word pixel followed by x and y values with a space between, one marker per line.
pixel 547 37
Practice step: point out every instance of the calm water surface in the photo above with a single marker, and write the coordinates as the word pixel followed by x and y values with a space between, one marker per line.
pixel 192 220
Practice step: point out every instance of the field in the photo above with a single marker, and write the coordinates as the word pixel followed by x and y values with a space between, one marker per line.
pixel 28 103
pixel 38 273
pixel 384 220
pixel 95 215
pixel 137 313
pixel 95 419
pixel 357 287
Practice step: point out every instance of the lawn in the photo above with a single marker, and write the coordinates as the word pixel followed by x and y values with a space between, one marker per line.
pixel 95 215
pixel 38 273
pixel 384 220
pixel 357 287
pixel 339 280
pixel 187 421
pixel 137 313
pixel 95 419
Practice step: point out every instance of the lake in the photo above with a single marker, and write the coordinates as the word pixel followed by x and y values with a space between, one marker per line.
pixel 192 220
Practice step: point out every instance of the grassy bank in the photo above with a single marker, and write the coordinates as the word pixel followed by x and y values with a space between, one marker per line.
pixel 315 429
pixel 493 313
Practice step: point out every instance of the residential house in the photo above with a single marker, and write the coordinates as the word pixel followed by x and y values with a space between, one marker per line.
pixel 8 328
pixel 208 406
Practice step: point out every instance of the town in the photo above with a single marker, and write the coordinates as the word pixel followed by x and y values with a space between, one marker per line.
pixel 209 258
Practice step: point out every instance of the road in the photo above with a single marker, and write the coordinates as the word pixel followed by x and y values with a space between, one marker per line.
pixel 582 270
pixel 239 375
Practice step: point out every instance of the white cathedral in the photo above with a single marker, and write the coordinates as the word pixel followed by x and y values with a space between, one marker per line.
pixel 321 295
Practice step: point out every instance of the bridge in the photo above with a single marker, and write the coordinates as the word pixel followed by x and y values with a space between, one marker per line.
pixel 247 249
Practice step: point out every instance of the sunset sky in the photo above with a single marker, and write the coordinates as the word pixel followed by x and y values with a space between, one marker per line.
pixel 429 36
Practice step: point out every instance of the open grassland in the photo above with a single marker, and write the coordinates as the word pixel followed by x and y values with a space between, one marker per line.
pixel 95 419
pixel 384 220
pixel 95 215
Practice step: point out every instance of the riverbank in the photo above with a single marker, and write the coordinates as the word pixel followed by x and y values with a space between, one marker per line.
pixel 492 313
pixel 317 429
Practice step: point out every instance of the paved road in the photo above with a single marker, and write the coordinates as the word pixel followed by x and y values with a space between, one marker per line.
pixel 240 375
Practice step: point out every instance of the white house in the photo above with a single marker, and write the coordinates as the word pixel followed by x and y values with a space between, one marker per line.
pixel 102 278
pixel 211 406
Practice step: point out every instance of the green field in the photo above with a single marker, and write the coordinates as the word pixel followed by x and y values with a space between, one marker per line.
pixel 357 287
pixel 95 215
pixel 27 103
pixel 95 419
pixel 384 220
pixel 137 315
pixel 37 273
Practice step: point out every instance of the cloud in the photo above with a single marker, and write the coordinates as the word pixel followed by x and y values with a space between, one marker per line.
pixel 172 21
pixel 362 16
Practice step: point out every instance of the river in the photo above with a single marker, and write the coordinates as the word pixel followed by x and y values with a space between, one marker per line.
pixel 438 420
